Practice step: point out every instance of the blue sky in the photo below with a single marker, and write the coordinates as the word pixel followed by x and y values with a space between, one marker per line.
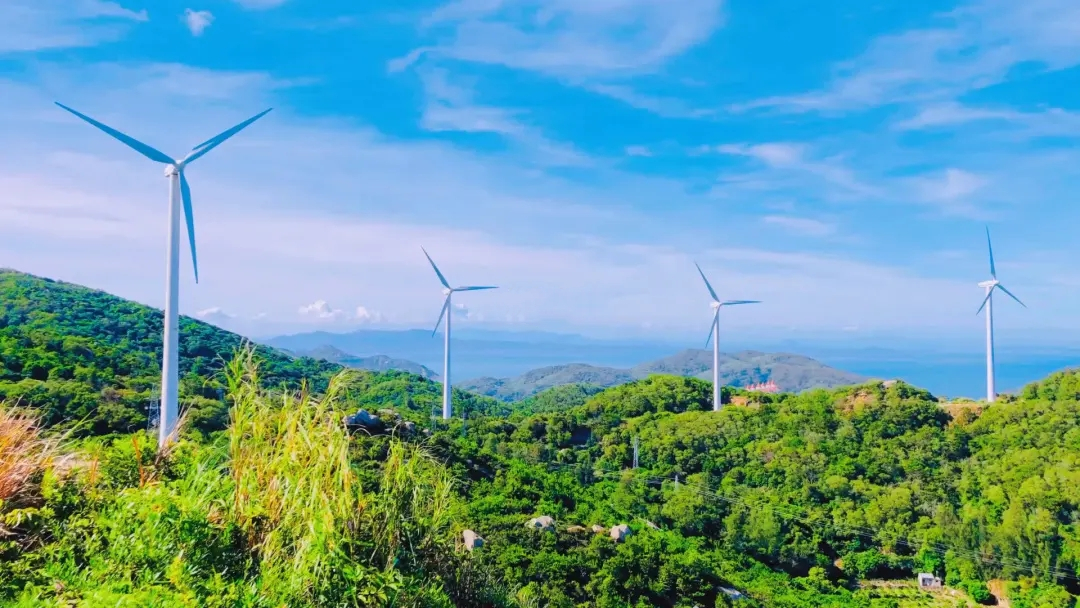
pixel 836 160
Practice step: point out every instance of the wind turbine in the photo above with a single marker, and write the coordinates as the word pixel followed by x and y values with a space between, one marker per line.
pixel 179 192
pixel 988 304
pixel 448 291
pixel 714 335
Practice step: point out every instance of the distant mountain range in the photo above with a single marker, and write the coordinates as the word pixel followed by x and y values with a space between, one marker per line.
pixel 791 373
pixel 480 353
pixel 376 363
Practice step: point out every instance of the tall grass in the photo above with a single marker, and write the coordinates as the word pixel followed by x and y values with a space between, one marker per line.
pixel 270 515
pixel 295 495
pixel 24 453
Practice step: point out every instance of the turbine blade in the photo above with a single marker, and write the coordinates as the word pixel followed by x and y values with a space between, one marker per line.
pixel 131 142
pixel 442 313
pixel 1009 293
pixel 711 292
pixel 734 302
pixel 712 328
pixel 990 248
pixel 473 288
pixel 185 195
pixel 208 145
pixel 442 279
pixel 985 300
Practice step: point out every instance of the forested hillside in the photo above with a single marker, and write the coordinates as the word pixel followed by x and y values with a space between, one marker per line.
pixel 826 498
pixel 85 358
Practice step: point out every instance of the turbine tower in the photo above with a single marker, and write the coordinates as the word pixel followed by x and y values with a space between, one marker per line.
pixel 714 335
pixel 179 194
pixel 988 304
pixel 448 291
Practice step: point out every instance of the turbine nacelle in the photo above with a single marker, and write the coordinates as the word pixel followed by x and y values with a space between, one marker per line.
pixel 715 305
pixel 447 291
pixel 173 168
pixel 990 283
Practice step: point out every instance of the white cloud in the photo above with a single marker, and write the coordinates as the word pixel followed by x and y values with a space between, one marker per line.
pixel 36 25
pixel 197 21
pixel 792 157
pixel 969 48
pixel 363 315
pixel 668 107
pixel 350 202
pixel 801 225
pixel 952 186
pixel 569 37
pixel 451 107
pixel 320 310
pixel 1046 122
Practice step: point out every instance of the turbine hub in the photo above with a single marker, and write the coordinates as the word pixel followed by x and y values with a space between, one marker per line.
pixel 446 291
pixel 714 305
pixel 171 170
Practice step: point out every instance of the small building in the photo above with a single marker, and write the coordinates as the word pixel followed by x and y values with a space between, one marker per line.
pixel 929 581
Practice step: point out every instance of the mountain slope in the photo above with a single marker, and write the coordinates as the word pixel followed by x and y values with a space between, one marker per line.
pixel 376 363
pixel 792 373
pixel 79 354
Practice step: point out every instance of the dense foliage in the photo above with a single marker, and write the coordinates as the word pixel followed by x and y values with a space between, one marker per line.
pixel 827 498
pixel 88 359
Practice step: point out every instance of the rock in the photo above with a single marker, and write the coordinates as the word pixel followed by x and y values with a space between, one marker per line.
pixel 410 427
pixel 544 522
pixel 598 529
pixel 620 532
pixel 364 419
pixel 472 540
pixel 576 529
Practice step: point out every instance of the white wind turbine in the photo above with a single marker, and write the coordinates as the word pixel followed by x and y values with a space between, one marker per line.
pixel 988 304
pixel 448 291
pixel 714 335
pixel 179 193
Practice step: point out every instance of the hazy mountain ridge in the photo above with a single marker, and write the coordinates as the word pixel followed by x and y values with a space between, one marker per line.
pixel 376 363
pixel 790 372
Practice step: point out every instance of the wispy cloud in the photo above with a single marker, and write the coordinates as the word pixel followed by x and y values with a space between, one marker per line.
pixel 795 158
pixel 969 48
pixel 952 189
pixel 197 21
pixel 451 107
pixel 801 225
pixel 38 25
pixel 1046 122
pixel 571 38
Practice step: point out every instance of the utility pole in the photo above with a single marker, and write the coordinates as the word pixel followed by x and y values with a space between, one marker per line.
pixel 636 445
pixel 153 411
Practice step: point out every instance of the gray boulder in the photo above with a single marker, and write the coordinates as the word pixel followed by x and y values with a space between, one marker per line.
pixel 620 532
pixel 472 540
pixel 364 419
pixel 544 522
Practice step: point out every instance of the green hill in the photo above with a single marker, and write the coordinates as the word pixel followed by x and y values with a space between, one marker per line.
pixel 79 355
pixel 826 498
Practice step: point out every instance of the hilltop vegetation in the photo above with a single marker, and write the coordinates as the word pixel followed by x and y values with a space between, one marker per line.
pixel 790 500
pixel 85 358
